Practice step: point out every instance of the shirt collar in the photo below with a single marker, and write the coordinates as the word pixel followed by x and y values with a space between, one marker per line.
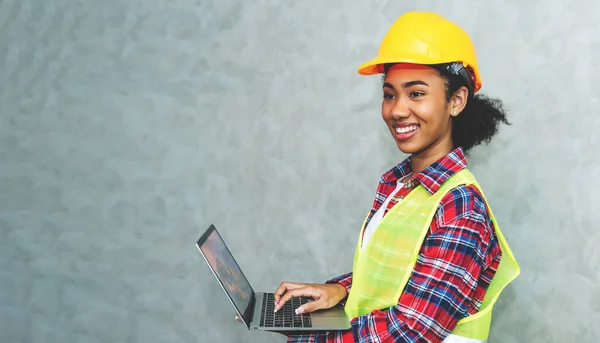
pixel 432 177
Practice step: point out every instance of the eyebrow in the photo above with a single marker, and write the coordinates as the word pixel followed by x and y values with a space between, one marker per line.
pixel 407 84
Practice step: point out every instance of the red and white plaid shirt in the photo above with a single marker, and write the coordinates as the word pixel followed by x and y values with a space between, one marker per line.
pixel 456 263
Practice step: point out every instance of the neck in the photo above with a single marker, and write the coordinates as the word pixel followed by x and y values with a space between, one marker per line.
pixel 424 159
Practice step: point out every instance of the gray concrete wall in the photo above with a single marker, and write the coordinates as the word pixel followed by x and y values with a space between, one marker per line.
pixel 127 127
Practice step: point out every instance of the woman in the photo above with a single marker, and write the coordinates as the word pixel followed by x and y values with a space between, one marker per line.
pixel 430 261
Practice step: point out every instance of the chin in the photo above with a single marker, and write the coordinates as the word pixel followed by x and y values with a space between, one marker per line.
pixel 409 148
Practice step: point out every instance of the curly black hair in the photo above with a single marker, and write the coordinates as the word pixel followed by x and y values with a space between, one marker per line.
pixel 480 119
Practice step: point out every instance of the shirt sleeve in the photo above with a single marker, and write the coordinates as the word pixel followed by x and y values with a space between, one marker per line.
pixel 441 287
pixel 344 280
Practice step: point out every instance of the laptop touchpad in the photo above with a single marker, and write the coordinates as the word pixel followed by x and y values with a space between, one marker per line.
pixel 336 311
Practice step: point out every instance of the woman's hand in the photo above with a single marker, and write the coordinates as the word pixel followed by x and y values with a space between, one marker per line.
pixel 325 296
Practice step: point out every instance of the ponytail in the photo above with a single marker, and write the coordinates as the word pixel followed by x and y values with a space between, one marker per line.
pixel 478 122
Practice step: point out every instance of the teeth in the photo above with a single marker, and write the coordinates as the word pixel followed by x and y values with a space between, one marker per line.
pixel 406 129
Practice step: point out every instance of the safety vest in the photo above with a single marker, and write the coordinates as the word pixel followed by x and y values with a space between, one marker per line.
pixel 382 269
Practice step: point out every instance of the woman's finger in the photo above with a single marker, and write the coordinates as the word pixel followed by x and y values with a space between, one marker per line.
pixel 306 291
pixel 311 307
pixel 283 288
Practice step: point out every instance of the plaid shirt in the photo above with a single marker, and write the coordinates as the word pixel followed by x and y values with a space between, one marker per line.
pixel 456 263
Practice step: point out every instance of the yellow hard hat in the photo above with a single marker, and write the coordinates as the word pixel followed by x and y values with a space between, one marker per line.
pixel 425 38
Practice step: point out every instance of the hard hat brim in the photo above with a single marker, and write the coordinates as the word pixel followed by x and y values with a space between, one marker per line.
pixel 375 66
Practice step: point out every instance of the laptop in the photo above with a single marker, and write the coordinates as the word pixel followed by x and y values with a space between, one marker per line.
pixel 256 310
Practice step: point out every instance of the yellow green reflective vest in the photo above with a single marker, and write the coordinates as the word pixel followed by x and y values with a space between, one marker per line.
pixel 382 269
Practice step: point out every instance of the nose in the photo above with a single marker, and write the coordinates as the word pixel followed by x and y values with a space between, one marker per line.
pixel 401 109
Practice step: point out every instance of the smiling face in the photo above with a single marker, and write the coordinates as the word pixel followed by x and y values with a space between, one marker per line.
pixel 416 111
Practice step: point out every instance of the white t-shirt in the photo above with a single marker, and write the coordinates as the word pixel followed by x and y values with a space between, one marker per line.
pixel 376 219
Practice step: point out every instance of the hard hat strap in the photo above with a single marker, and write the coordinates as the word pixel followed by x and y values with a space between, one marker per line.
pixel 457 69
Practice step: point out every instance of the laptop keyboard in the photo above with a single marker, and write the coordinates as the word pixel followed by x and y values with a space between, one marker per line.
pixel 285 317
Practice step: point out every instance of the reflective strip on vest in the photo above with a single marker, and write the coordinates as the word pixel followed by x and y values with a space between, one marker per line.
pixel 381 270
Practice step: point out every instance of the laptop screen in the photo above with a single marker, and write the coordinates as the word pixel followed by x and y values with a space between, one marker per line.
pixel 226 270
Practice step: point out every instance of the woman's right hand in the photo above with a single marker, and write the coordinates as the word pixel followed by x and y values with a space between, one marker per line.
pixel 325 295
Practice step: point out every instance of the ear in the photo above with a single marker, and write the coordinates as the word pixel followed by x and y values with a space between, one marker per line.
pixel 458 101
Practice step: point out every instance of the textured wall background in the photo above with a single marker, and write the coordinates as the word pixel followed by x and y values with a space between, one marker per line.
pixel 127 127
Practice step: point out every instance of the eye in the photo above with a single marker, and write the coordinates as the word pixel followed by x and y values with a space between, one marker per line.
pixel 388 96
pixel 415 95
